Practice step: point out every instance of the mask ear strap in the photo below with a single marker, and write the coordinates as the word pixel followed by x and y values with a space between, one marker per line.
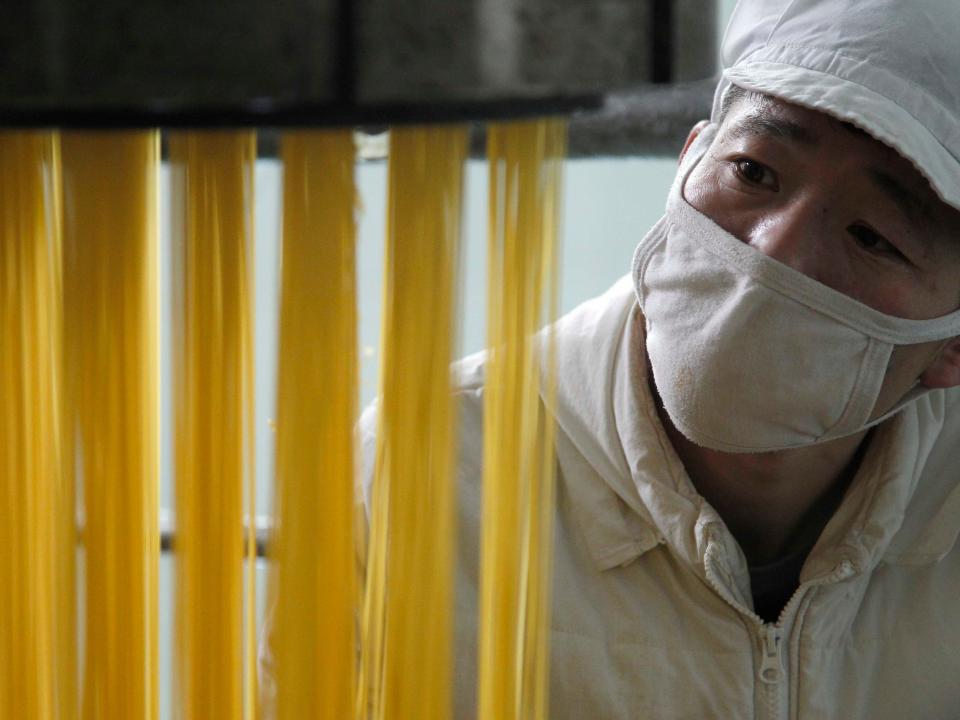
pixel 914 393
pixel 698 148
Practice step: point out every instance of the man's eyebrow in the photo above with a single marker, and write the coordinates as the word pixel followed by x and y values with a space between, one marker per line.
pixel 911 205
pixel 764 124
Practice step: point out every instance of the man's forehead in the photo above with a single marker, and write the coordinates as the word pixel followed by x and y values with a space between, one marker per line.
pixel 762 114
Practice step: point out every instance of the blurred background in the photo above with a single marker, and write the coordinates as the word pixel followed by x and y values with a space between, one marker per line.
pixel 610 202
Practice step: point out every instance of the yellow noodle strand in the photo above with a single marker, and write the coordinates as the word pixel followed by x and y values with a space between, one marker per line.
pixel 37 536
pixel 251 697
pixel 314 641
pixel 408 613
pixel 212 230
pixel 110 276
pixel 518 466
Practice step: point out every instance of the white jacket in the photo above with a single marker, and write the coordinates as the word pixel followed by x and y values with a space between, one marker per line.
pixel 652 609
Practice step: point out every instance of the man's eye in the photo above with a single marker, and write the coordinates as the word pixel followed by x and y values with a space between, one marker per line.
pixel 754 173
pixel 874 241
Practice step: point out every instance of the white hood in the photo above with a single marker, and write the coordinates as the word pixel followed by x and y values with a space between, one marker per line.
pixel 888 66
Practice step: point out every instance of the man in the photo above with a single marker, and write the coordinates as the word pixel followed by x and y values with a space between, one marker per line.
pixel 758 444
pixel 759 431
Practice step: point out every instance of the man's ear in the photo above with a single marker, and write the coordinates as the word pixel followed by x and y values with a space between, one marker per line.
pixel 945 371
pixel 694 133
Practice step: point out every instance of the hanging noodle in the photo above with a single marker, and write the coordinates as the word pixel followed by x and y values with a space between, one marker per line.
pixel 212 230
pixel 37 535
pixel 407 623
pixel 518 465
pixel 110 280
pixel 315 592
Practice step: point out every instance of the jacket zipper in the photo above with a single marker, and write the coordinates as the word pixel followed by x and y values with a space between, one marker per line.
pixel 771 636
pixel 772 671
pixel 771 668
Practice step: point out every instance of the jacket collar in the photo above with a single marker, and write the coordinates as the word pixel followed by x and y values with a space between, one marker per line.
pixel 630 492
pixel 607 444
pixel 931 521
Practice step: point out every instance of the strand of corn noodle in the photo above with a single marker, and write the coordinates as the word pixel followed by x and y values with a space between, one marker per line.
pixel 212 230
pixel 67 642
pixel 110 277
pixel 518 465
pixel 407 624
pixel 315 593
pixel 542 503
pixel 37 536
pixel 251 698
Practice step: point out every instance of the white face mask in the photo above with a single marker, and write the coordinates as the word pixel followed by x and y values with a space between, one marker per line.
pixel 749 355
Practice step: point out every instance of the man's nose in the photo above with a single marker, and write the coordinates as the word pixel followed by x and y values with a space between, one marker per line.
pixel 794 235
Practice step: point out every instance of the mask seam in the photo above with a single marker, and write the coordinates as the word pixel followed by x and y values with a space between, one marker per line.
pixel 724 446
pixel 644 256
pixel 874 357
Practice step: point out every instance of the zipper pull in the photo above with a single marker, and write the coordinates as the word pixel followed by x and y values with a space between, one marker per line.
pixel 771 669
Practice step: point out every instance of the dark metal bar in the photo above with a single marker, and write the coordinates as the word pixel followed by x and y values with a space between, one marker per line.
pixel 168 541
pixel 221 63
pixel 295 116
pixel 346 77
pixel 650 120
pixel 661 41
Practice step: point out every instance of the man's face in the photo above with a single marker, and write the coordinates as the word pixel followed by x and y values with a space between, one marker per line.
pixel 833 203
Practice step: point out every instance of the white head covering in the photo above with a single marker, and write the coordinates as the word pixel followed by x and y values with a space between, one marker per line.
pixel 891 67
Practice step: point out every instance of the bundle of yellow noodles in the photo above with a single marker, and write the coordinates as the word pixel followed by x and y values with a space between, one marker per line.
pixel 37 536
pixel 212 234
pixel 110 283
pixel 314 638
pixel 407 622
pixel 518 466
